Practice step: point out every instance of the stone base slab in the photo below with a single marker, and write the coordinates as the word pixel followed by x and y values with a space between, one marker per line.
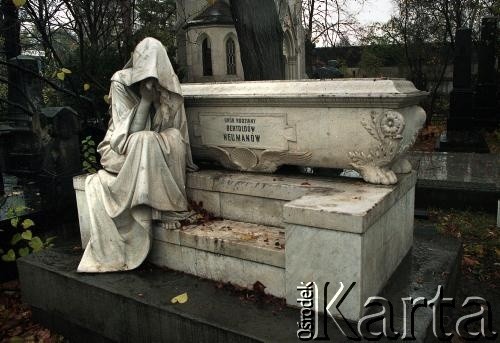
pixel 335 230
pixel 135 306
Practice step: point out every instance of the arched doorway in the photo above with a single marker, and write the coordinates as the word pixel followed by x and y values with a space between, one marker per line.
pixel 290 56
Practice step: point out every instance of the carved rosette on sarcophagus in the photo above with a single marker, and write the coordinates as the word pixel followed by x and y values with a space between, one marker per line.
pixel 362 124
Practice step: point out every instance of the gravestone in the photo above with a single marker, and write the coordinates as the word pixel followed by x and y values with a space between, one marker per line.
pixel 461 99
pixel 486 98
pixel 281 230
pixel 60 158
pixel 22 145
pixel 27 92
pixel 462 134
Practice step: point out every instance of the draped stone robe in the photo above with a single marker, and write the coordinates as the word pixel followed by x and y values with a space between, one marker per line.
pixel 143 172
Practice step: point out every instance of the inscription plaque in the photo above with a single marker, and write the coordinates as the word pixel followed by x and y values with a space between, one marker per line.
pixel 256 131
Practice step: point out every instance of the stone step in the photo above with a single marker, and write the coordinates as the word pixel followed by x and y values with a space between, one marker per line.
pixel 246 241
pixel 225 251
pixel 366 230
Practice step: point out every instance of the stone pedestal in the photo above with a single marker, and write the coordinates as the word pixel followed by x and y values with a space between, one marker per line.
pixel 281 231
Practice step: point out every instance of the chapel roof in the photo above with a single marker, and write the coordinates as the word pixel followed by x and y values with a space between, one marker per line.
pixel 219 13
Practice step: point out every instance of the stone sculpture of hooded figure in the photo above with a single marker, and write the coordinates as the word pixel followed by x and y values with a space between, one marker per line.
pixel 144 169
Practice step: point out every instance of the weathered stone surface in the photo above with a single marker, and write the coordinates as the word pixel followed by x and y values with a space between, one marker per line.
pixel 336 203
pixel 266 211
pixel 363 124
pixel 220 268
pixel 83 209
pixel 245 241
pixel 226 251
pixel 368 258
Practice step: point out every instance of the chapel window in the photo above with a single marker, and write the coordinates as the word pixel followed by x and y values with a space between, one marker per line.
pixel 231 56
pixel 207 57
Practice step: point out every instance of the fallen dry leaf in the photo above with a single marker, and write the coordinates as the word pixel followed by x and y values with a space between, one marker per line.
pixel 259 287
pixel 180 299
pixel 470 262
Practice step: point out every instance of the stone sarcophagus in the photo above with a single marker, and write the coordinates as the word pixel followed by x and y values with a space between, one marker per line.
pixel 361 124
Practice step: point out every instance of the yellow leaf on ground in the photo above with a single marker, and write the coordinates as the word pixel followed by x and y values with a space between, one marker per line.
pixel 19 3
pixel 180 299
pixel 86 87
pixel 66 70
pixel 106 99
pixel 61 76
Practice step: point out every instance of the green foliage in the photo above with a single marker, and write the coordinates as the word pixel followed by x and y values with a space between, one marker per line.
pixel 156 19
pixel 342 66
pixel 370 63
pixel 23 242
pixel 82 43
pixel 89 153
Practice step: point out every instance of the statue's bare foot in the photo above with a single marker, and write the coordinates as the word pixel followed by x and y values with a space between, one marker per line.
pixel 173 225
pixel 194 218
pixel 378 176
pixel 402 166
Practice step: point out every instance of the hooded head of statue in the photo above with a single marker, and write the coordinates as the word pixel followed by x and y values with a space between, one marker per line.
pixel 150 60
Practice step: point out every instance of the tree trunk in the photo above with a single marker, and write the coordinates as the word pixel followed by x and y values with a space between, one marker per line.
pixel 260 36
pixel 10 30
pixel 126 7
pixel 309 45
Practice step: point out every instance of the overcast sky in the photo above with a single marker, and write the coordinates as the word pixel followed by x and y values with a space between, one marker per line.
pixel 376 10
